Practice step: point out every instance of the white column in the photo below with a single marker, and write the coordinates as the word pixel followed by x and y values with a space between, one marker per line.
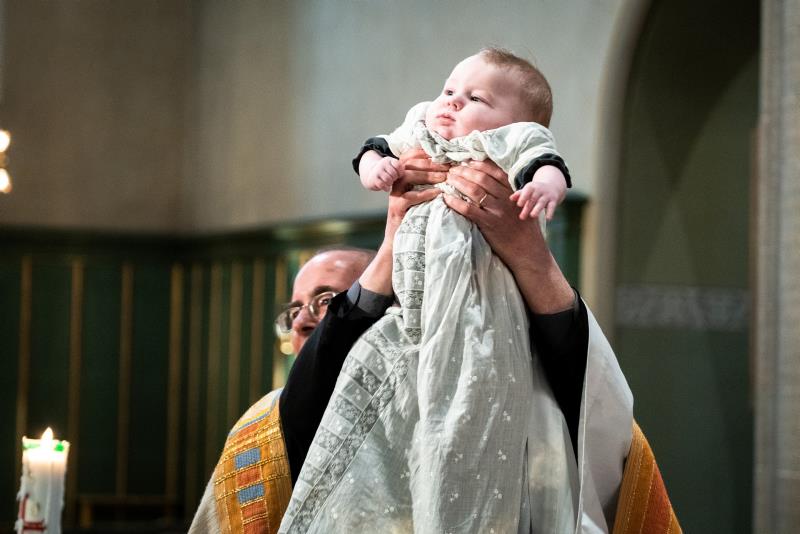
pixel 777 275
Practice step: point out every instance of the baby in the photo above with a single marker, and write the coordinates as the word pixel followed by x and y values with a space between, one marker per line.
pixel 494 104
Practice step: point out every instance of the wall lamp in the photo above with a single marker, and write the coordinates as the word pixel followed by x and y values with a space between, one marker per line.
pixel 5 178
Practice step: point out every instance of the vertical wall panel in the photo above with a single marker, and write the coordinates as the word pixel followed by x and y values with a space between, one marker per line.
pixel 149 371
pixel 281 296
pixel 99 378
pixel 256 332
pixel 268 312
pixel 246 326
pixel 222 421
pixel 49 364
pixel 74 383
pixel 213 365
pixel 124 377
pixel 11 332
pixel 174 380
pixel 203 444
pixel 234 357
pixel 194 471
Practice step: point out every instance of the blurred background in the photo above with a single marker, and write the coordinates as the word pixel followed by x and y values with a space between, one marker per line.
pixel 173 163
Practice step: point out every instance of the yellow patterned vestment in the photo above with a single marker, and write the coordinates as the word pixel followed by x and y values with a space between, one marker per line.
pixel 252 482
pixel 643 506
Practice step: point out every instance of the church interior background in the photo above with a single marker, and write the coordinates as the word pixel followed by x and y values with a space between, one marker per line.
pixel 173 163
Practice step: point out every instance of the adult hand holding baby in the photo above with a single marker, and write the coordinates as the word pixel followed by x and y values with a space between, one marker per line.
pixel 416 169
pixel 518 242
pixel 486 186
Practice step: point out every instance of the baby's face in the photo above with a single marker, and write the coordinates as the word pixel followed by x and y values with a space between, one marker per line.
pixel 476 96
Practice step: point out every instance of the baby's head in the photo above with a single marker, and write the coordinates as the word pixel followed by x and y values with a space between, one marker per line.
pixel 493 88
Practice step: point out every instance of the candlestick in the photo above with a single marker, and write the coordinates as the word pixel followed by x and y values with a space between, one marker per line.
pixel 41 492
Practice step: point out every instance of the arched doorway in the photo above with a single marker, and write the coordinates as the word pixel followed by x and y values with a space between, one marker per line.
pixel 682 254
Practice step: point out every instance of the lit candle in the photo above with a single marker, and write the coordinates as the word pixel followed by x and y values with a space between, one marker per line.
pixel 41 492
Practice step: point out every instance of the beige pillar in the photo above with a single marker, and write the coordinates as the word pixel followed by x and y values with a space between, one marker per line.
pixel 777 275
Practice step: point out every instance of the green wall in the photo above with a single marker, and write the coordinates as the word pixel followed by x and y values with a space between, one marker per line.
pixel 682 274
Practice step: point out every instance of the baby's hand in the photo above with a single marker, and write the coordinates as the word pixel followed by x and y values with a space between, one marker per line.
pixel 383 174
pixel 544 192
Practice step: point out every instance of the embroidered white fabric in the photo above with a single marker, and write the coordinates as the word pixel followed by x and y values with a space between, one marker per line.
pixel 441 419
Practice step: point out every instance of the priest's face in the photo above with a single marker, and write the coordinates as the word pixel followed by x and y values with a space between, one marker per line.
pixel 331 271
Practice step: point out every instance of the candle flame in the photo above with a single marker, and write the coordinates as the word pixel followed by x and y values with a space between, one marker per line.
pixel 47 435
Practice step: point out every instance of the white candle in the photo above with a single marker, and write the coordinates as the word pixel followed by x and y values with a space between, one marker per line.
pixel 41 493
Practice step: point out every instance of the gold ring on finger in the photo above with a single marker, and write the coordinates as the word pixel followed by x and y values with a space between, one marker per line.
pixel 480 202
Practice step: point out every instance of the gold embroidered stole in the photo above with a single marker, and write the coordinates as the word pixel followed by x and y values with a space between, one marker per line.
pixel 643 506
pixel 252 481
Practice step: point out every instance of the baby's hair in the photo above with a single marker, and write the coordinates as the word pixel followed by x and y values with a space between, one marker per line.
pixel 536 90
